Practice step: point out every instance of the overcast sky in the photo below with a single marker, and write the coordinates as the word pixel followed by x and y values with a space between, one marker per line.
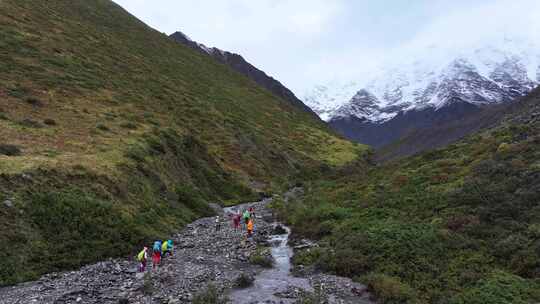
pixel 307 42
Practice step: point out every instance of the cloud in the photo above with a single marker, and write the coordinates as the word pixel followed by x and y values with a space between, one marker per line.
pixel 480 24
pixel 307 42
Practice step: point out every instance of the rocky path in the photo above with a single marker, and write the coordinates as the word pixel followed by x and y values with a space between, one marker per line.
pixel 202 257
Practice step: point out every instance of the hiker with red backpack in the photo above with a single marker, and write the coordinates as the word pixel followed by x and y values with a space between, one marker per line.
pixel 156 255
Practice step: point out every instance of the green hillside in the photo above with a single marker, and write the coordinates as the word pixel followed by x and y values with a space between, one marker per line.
pixel 112 134
pixel 456 225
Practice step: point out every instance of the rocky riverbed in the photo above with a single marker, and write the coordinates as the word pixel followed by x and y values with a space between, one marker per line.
pixel 202 257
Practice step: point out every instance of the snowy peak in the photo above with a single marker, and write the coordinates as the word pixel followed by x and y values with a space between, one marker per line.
pixel 325 99
pixel 484 75
pixel 364 104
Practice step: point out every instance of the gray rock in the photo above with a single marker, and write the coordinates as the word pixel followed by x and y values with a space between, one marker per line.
pixel 8 203
pixel 201 256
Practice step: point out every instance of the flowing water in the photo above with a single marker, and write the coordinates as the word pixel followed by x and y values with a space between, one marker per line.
pixel 275 280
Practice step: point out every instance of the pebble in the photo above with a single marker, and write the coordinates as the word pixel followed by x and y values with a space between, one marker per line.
pixel 8 203
pixel 202 256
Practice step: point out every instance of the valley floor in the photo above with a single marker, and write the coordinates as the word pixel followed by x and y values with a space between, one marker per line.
pixel 202 256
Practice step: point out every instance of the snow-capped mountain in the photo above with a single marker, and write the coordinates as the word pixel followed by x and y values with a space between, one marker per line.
pixel 433 100
pixel 485 75
pixel 325 99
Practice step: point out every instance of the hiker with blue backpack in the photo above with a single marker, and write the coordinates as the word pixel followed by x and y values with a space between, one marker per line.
pixel 167 248
pixel 156 256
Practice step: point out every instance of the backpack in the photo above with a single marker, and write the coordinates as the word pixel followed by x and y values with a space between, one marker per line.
pixel 140 256
pixel 157 246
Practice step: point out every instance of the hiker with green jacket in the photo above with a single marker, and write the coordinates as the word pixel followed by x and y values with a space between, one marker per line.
pixel 142 257
pixel 167 248
pixel 246 216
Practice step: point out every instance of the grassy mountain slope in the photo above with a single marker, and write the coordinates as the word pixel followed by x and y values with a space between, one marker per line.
pixel 445 132
pixel 112 134
pixel 455 225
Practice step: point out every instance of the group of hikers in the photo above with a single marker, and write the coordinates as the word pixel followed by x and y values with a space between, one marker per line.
pixel 159 251
pixel 248 218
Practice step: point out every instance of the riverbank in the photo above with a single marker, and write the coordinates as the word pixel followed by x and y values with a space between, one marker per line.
pixel 202 256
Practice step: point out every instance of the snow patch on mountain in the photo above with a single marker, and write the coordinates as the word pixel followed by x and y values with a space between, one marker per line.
pixel 483 75
pixel 325 99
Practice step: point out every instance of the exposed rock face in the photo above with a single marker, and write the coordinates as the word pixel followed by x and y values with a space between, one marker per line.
pixel 239 64
pixel 415 131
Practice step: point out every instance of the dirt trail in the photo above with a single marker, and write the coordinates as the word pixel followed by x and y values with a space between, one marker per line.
pixel 202 256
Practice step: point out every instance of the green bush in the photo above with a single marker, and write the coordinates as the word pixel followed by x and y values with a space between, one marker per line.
pixel 129 125
pixel 34 101
pixel 389 289
pixel 244 281
pixel 262 258
pixel 49 122
pixel 499 288
pixel 209 296
pixel 78 228
pixel 9 150
pixel 103 127
pixel 307 257
pixel 192 199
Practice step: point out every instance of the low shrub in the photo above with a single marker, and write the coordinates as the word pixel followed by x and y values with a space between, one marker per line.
pixel 129 125
pixel 244 280
pixel 9 150
pixel 102 127
pixel 307 257
pixel 49 122
pixel 387 289
pixel 499 288
pixel 29 123
pixel 34 101
pixel 262 258
pixel 209 296
pixel 192 199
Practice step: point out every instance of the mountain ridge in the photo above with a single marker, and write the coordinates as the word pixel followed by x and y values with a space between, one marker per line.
pixel 116 127
pixel 239 64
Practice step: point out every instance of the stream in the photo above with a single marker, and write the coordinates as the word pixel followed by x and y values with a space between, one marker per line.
pixel 278 285
pixel 276 280
pixel 204 254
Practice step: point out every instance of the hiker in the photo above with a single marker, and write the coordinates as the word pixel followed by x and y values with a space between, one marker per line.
pixel 250 228
pixel 167 248
pixel 142 257
pixel 156 256
pixel 252 215
pixel 246 216
pixel 218 224
pixel 236 221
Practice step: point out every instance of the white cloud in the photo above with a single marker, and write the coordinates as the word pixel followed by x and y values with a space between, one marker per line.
pixel 307 42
